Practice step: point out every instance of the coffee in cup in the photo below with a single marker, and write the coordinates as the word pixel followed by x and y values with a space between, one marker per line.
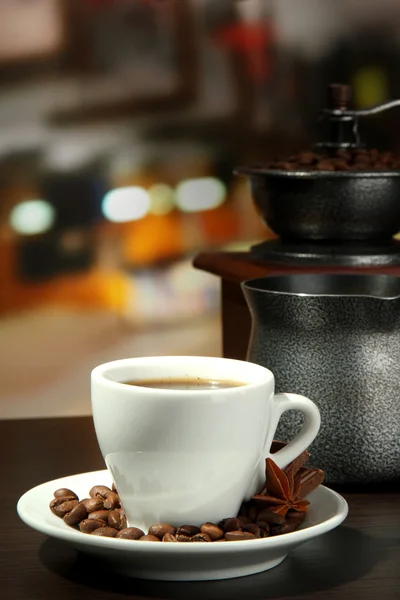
pixel 185 383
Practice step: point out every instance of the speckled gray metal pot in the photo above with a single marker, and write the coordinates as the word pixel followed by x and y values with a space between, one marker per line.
pixel 335 339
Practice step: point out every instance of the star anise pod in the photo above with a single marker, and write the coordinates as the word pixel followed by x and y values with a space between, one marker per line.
pixel 280 490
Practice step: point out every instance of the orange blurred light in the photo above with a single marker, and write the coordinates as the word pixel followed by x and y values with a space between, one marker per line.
pixel 152 239
pixel 220 225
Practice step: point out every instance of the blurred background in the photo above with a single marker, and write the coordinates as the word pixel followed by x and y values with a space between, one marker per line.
pixel 121 122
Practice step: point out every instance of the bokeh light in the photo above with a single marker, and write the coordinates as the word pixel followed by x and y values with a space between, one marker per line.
pixel 126 204
pixel 32 217
pixel 195 195
pixel 162 199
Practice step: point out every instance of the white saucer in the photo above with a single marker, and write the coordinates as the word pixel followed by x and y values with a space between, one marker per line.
pixel 178 562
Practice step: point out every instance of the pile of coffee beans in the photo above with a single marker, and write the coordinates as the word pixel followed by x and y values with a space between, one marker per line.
pixel 101 514
pixel 352 159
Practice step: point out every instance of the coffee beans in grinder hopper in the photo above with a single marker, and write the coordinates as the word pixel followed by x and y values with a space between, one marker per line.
pixel 349 159
pixel 102 515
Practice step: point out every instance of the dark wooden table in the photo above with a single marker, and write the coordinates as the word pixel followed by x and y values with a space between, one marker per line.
pixel 359 561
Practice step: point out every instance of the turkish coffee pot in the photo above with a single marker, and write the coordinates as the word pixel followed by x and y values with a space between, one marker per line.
pixel 334 337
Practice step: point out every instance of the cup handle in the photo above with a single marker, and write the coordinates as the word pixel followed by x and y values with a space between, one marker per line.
pixel 307 434
pixel 281 403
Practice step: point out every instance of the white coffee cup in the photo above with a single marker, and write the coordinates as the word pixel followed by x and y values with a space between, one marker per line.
pixel 190 456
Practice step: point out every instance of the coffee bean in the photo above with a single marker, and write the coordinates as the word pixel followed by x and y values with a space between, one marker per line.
pixel 161 529
pixel 339 163
pixel 374 154
pixel 116 520
pixel 253 513
pixel 62 505
pixel 342 166
pixel 362 164
pixel 111 501
pixel 284 166
pixel 265 534
pixel 149 538
pixel 244 520
pixel 306 158
pixel 93 504
pixel 201 537
pixel 296 517
pixel 264 526
pixel 252 528
pixel 212 530
pixel 222 523
pixel 237 536
pixel 324 165
pixel 188 530
pixel 232 524
pixel 105 532
pixel 99 514
pixel 386 158
pixel 270 517
pixel 76 515
pixel 99 490
pixel 168 537
pixel 90 525
pixel 182 538
pixel 281 529
pixel 358 159
pixel 130 533
pixel 378 166
pixel 60 499
pixel 65 492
